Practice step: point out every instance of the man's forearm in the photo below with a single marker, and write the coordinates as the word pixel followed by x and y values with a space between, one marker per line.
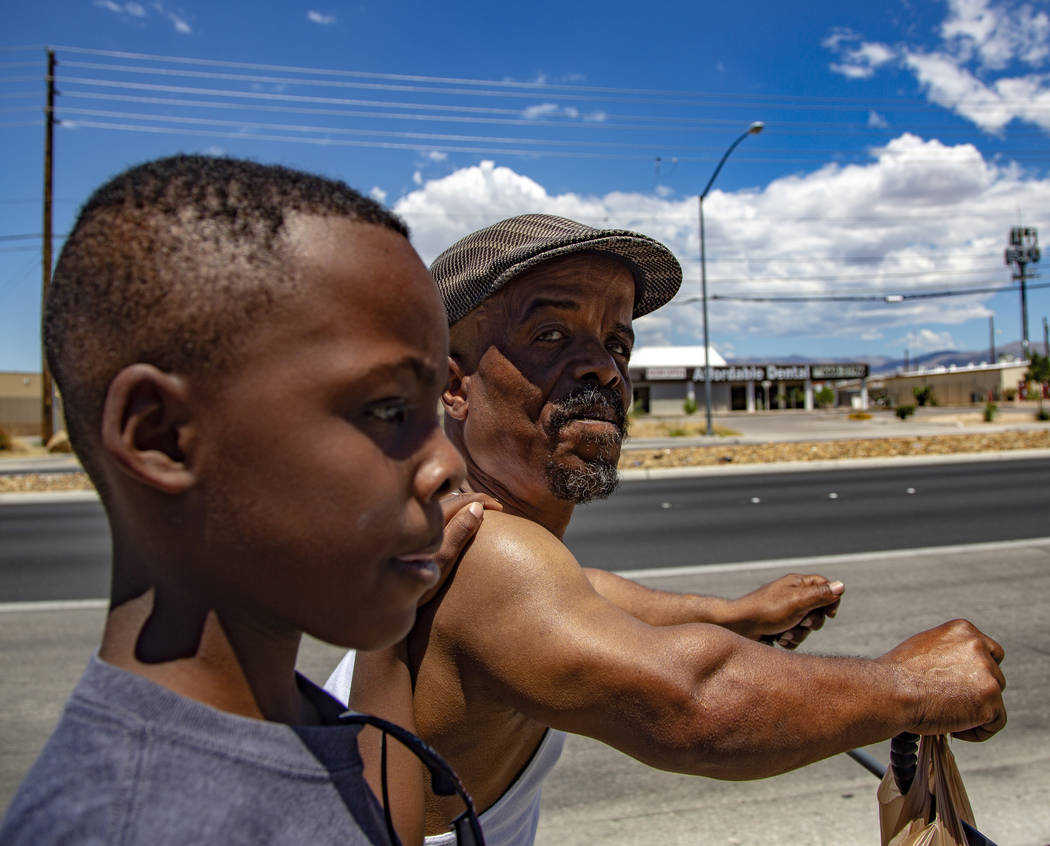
pixel 744 711
pixel 710 703
pixel 658 607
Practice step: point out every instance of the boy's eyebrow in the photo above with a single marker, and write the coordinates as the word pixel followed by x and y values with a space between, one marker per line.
pixel 626 329
pixel 384 370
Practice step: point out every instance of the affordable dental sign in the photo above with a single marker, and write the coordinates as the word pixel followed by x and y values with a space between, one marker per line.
pixel 764 372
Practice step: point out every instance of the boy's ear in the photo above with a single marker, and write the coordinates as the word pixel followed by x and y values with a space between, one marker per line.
pixel 146 427
pixel 454 397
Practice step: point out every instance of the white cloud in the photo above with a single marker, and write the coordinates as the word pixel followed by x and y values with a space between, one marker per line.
pixel 378 194
pixel 540 110
pixel 135 10
pixel 995 35
pixel 990 107
pixel 877 120
pixel 926 340
pixel 920 216
pixel 975 70
pixel 548 110
pixel 181 26
pixel 859 59
pixel 132 9
pixel 437 156
pixel 320 18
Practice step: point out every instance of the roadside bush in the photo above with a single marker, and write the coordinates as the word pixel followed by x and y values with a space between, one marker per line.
pixel 5 439
pixel 689 406
pixel 923 395
pixel 1010 394
pixel 1043 414
pixel 825 397
pixel 990 410
pixel 904 411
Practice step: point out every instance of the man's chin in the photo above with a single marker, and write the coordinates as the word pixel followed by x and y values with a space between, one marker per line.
pixel 581 481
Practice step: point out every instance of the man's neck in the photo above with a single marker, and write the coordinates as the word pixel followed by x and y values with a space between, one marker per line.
pixel 538 505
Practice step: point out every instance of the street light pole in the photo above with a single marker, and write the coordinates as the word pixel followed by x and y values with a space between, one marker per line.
pixel 754 129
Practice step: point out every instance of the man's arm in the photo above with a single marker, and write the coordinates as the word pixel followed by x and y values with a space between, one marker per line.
pixel 787 609
pixel 532 634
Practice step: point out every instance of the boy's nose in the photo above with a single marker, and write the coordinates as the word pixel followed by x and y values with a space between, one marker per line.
pixel 442 471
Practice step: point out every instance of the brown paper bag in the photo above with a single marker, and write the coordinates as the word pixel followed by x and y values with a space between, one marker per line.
pixel 930 813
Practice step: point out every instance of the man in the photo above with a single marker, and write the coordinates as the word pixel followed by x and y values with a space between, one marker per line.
pixel 522 640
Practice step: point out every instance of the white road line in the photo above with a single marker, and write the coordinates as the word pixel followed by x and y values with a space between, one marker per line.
pixel 663 572
pixel 55 605
pixel 819 561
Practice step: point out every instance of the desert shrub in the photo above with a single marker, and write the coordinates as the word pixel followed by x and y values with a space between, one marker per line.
pixel 1043 414
pixel 689 406
pixel 5 439
pixel 904 411
pixel 923 395
pixel 990 410
pixel 825 397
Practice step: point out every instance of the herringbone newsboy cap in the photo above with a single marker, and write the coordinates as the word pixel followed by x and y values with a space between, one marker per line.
pixel 477 266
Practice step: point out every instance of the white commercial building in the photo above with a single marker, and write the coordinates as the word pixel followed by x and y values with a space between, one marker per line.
pixel 667 379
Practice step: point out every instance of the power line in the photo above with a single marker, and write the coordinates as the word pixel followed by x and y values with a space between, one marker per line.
pixel 729 98
pixel 885 298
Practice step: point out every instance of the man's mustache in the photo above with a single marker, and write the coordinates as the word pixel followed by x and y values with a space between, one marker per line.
pixel 591 401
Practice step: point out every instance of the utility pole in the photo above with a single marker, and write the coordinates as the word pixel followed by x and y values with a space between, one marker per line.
pixel 47 427
pixel 1024 248
pixel 1046 339
pixel 991 338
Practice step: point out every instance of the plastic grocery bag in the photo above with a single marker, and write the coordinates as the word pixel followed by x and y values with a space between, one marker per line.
pixel 933 810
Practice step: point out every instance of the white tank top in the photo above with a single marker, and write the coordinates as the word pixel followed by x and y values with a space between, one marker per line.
pixel 513 819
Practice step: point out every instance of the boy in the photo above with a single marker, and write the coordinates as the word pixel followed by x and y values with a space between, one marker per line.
pixel 250 360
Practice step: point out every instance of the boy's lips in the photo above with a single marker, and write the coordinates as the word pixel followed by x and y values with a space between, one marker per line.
pixel 421 566
pixel 422 562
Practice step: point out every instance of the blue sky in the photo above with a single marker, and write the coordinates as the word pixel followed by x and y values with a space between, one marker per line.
pixel 902 141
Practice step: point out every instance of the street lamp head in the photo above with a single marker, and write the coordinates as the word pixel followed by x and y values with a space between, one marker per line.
pixel 756 127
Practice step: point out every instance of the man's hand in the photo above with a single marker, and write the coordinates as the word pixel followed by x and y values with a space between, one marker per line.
pixel 463 513
pixel 787 610
pixel 957 679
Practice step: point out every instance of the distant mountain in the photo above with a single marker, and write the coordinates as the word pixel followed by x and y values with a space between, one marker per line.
pixel 884 364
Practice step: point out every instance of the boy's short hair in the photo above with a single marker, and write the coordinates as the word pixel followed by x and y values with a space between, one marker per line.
pixel 170 263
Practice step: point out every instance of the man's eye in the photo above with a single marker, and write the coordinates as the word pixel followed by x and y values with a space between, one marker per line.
pixel 551 335
pixel 619 348
pixel 389 412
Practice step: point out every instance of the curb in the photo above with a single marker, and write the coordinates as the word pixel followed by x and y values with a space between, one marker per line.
pixel 653 473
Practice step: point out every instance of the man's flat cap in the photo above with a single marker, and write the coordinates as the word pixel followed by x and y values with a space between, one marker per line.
pixel 477 266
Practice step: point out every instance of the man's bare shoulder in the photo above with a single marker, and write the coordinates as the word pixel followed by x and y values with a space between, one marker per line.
pixel 512 565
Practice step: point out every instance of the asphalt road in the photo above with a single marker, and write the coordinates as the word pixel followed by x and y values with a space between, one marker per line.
pixel 59 550
pixel 747 517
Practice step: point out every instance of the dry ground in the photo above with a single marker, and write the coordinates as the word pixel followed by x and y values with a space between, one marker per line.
pixel 826 450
